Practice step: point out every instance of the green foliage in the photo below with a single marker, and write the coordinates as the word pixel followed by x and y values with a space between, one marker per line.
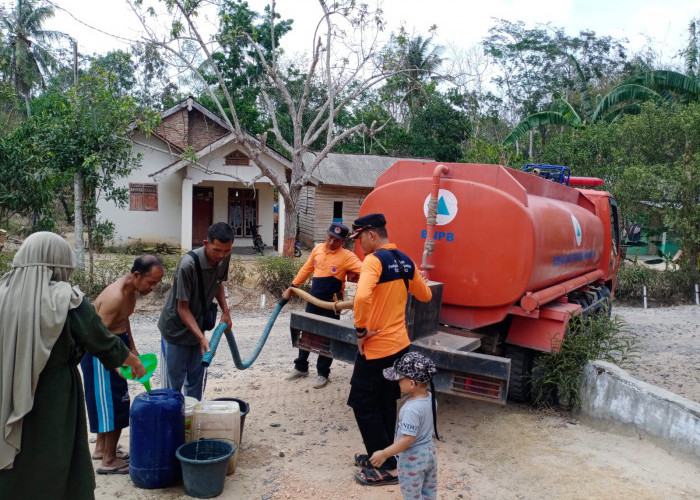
pixel 663 287
pixel 30 55
pixel 661 150
pixel 237 61
pixel 5 260
pixel 481 151
pixel 557 375
pixel 276 273
pixel 104 273
pixel 27 180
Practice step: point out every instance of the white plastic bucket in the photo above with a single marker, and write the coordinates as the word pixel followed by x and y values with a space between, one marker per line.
pixel 188 408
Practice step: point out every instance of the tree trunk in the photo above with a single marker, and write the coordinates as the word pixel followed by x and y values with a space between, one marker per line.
pixel 66 208
pixel 290 231
pixel 78 218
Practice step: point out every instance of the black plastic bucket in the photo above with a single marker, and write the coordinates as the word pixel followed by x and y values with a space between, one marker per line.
pixel 204 463
pixel 243 406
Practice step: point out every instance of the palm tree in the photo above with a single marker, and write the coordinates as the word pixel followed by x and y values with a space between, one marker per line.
pixel 30 58
pixel 417 61
pixel 421 62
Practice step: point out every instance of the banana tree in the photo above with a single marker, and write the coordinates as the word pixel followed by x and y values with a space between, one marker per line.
pixel 658 86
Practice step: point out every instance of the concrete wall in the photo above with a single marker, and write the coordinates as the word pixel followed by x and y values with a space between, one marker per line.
pixel 160 226
pixel 610 395
pixel 165 225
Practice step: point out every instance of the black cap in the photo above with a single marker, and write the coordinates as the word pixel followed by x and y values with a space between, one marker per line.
pixel 338 230
pixel 369 221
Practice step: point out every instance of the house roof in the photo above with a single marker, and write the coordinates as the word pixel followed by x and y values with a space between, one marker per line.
pixel 352 170
pixel 191 104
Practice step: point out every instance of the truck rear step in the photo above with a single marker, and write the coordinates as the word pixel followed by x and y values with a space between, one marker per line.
pixel 460 371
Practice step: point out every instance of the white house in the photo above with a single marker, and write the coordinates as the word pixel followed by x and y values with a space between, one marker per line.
pixel 174 200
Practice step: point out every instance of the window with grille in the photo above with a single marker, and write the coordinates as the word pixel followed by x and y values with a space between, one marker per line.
pixel 143 197
pixel 236 158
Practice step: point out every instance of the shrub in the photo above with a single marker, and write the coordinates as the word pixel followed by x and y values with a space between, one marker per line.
pixel 237 271
pixel 135 247
pixel 6 257
pixel 276 273
pixel 106 271
pixel 663 286
pixel 557 375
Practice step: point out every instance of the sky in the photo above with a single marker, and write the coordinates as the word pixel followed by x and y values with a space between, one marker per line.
pixel 460 23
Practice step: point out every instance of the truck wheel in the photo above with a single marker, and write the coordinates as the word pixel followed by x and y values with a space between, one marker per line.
pixel 606 299
pixel 519 386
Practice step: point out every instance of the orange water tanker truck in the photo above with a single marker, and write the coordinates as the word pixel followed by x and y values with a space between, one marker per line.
pixel 511 256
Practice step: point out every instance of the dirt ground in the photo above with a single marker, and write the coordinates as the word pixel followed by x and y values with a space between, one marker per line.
pixel 298 442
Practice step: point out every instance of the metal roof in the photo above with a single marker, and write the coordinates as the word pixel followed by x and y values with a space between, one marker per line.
pixel 352 170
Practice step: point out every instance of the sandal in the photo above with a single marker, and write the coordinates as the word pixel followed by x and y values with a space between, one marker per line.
pixel 362 460
pixel 123 455
pixel 375 477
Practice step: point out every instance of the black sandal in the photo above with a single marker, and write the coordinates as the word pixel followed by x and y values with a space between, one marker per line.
pixel 362 460
pixel 375 477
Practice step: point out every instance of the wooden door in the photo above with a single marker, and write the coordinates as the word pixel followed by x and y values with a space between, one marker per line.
pixel 202 213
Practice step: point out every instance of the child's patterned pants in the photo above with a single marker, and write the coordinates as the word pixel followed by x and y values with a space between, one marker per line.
pixel 418 473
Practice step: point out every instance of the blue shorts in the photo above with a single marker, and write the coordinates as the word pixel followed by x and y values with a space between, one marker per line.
pixel 106 394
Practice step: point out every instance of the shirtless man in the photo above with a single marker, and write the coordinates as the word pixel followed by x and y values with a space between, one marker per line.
pixel 106 391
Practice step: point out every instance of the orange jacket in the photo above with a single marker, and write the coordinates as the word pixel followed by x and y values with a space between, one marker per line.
pixel 329 270
pixel 380 300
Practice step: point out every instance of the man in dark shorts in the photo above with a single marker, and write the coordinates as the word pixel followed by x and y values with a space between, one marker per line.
pixel 106 391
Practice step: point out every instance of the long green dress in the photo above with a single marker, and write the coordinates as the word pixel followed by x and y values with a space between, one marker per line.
pixel 54 460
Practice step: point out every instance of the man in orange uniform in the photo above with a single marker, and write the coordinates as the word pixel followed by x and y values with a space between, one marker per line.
pixel 380 303
pixel 329 262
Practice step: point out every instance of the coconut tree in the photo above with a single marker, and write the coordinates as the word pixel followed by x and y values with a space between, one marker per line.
pixel 30 57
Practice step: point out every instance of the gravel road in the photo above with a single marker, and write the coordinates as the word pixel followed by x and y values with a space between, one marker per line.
pixel 298 442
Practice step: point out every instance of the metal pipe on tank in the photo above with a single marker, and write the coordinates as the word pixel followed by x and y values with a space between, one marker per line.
pixel 531 301
pixel 429 246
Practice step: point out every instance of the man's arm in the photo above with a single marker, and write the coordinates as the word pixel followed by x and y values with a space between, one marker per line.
pixel 225 311
pixel 306 269
pixel 183 310
pixel 132 344
pixel 369 277
pixel 353 267
pixel 418 288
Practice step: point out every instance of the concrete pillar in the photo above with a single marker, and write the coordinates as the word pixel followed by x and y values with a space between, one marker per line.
pixel 281 209
pixel 186 216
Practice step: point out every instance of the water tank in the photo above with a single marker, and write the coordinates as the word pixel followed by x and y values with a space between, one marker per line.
pixel 500 233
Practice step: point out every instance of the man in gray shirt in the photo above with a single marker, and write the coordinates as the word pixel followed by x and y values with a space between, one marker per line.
pixel 182 317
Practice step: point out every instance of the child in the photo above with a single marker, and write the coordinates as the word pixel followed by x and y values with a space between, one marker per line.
pixel 417 469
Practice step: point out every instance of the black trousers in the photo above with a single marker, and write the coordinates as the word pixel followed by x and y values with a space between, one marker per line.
pixel 323 364
pixel 373 400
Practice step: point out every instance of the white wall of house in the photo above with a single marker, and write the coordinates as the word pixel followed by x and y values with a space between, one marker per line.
pixel 151 226
pixel 165 224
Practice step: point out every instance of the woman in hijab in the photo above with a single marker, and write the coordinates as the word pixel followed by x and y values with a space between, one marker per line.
pixel 45 328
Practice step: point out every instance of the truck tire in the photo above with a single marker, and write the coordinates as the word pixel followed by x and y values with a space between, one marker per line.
pixel 606 300
pixel 519 385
